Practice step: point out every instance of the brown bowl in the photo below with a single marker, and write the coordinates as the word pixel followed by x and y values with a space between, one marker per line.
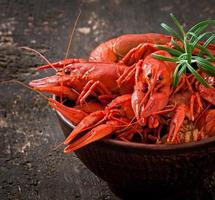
pixel 131 169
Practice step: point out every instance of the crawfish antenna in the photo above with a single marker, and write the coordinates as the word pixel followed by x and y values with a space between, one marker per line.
pixel 26 86
pixel 40 55
pixel 71 36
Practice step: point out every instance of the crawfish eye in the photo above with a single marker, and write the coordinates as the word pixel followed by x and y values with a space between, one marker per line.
pixel 159 89
pixel 118 106
pixel 160 78
pixel 66 71
pixel 145 88
pixel 149 75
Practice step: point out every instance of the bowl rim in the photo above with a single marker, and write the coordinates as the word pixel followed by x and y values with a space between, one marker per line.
pixel 152 147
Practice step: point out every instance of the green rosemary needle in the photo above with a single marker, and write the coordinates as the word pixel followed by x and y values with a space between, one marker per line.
pixel 183 55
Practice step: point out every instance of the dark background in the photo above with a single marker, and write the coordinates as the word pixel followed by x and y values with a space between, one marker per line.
pixel 32 163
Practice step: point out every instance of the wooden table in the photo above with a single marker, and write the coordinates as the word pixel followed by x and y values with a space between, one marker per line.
pixel 32 163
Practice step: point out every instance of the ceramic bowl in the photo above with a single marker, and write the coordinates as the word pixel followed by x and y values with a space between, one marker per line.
pixel 133 169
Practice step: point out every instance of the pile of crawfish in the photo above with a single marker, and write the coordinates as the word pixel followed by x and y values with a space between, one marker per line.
pixel 122 92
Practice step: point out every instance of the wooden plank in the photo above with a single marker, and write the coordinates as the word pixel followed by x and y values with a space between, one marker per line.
pixel 32 166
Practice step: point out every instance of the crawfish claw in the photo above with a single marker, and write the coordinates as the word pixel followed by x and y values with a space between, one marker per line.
pixel 95 134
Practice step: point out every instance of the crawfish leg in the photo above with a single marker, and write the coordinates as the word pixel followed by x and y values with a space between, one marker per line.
pixel 183 80
pixel 207 122
pixel 192 104
pixel 127 75
pixel 127 135
pixel 176 123
pixel 207 93
pixel 180 84
pixel 137 53
pixel 90 87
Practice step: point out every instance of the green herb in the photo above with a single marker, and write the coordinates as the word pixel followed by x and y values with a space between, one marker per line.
pixel 183 55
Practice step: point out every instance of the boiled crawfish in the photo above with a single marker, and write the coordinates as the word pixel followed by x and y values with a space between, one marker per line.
pixel 129 93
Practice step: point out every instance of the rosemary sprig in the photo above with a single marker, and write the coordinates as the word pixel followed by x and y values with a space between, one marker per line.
pixel 183 55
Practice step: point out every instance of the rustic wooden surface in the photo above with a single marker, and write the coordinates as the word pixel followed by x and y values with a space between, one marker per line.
pixel 32 163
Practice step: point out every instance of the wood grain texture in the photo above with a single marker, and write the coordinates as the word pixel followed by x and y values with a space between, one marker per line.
pixel 32 163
